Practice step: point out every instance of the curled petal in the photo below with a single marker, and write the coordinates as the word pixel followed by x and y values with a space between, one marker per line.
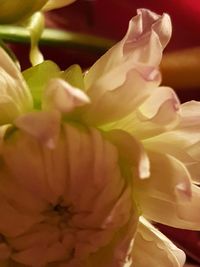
pixel 147 34
pixel 126 75
pixel 161 107
pixel 161 146
pixel 158 112
pixel 183 140
pixel 15 98
pixel 185 215
pixel 190 114
pixel 169 179
pixel 190 157
pixel 153 247
pixel 63 97
pixel 186 133
pixel 110 102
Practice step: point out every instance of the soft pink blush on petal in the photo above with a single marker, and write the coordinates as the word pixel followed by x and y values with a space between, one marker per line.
pixel 43 125
pixel 140 27
pixel 169 180
pixel 61 96
pixel 128 73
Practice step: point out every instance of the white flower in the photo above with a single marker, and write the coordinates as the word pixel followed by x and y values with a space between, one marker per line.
pixel 85 161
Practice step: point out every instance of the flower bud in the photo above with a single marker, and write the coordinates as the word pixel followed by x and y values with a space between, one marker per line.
pixel 14 11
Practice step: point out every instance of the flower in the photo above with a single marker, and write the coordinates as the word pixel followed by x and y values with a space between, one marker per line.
pixel 86 159
pixel 15 11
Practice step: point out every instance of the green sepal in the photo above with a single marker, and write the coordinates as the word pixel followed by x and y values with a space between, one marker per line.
pixel 74 76
pixel 37 78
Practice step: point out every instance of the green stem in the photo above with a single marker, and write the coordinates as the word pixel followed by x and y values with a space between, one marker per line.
pixel 52 37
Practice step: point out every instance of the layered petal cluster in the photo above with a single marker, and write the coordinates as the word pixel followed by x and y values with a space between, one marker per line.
pixel 86 159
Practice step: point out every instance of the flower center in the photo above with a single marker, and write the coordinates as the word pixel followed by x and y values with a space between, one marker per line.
pixel 58 215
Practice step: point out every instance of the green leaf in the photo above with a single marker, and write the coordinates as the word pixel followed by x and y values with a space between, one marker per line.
pixel 37 78
pixel 74 76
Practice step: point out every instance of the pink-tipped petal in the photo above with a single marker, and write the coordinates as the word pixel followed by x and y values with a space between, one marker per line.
pixel 63 97
pixel 169 180
pixel 43 125
pixel 161 107
pixel 126 75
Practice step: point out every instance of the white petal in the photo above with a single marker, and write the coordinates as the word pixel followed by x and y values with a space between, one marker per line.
pixel 188 156
pixel 63 97
pixel 43 125
pixel 185 215
pixel 15 97
pixel 122 79
pixel 110 101
pixel 156 114
pixel 161 107
pixel 152 248
pixel 147 32
pixel 169 179
pixel 190 113
pixel 186 133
